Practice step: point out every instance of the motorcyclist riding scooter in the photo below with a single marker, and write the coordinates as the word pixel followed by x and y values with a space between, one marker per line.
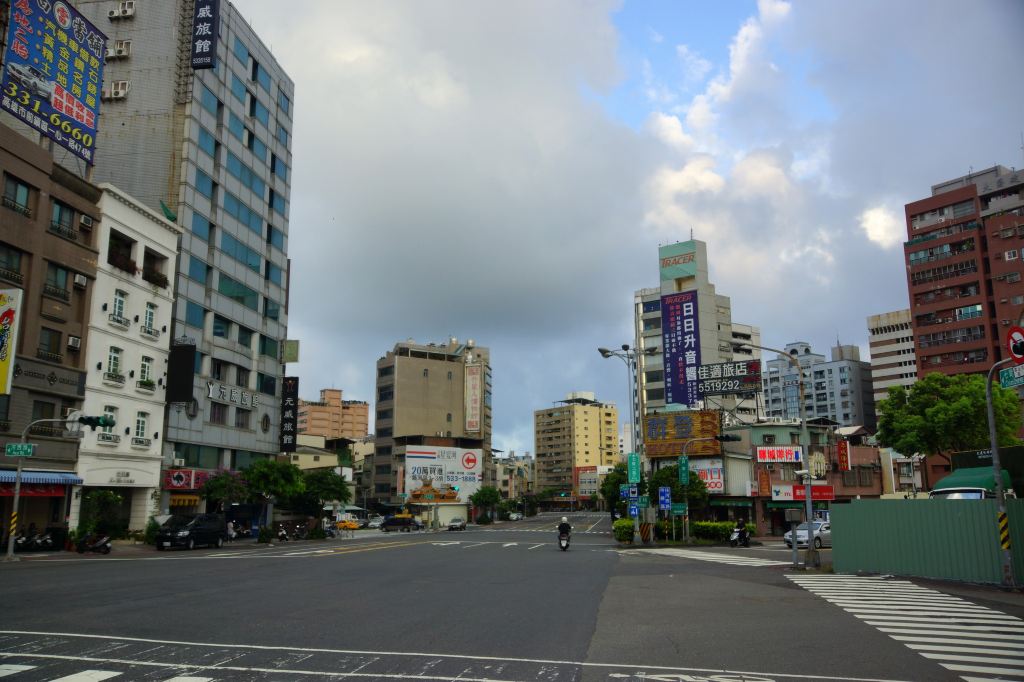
pixel 564 531
pixel 740 535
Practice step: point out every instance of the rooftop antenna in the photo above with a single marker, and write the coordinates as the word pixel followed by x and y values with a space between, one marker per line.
pixel 691 234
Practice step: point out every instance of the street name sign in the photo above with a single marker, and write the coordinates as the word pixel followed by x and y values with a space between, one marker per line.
pixel 634 467
pixel 1011 377
pixel 19 449
pixel 684 470
pixel 645 501
pixel 679 508
pixel 623 491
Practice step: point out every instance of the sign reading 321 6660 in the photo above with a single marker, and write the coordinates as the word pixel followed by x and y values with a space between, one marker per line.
pixel 53 73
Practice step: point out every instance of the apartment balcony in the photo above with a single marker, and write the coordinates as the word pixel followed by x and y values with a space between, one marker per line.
pixel 64 231
pixel 16 207
pixel 104 438
pixel 118 321
pixel 12 276
pixel 57 292
pixel 150 332
pixel 44 354
pixel 145 386
pixel 141 442
pixel 113 379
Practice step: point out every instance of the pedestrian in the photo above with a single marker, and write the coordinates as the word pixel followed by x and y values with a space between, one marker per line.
pixel 231 531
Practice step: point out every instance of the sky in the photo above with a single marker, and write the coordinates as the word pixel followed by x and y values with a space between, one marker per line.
pixel 505 171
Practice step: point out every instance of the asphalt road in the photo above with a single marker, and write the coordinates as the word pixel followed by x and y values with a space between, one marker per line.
pixel 496 603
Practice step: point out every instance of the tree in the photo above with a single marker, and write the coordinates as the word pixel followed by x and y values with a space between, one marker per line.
pixel 225 487
pixel 101 512
pixel 323 486
pixel 619 475
pixel 270 479
pixel 695 493
pixel 944 414
pixel 486 498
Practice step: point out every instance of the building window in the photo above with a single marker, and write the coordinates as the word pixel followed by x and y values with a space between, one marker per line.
pixel 114 360
pixel 237 209
pixel 63 216
pixel 56 282
pixel 149 317
pixel 1010 255
pixel 282 134
pixel 119 299
pixel 146 369
pixel 208 100
pixel 141 419
pixel 448 418
pixel 10 263
pixel 49 341
pixel 195 314
pixel 266 383
pixel 274 274
pixel 261 75
pixel 240 252
pixel 42 410
pixel 768 439
pixel 271 309
pixel 277 202
pixel 16 195
pixel 268 346
pixel 283 103
pixel 221 327
pixel 207 142
pixel 110 412
pixel 245 336
pixel 201 227
pixel 238 88
pixel 425 372
pixel 217 369
pixel 238 292
pixel 242 377
pixel 275 237
pixel 242 418
pixel 240 51
pixel 218 413
pixel 258 111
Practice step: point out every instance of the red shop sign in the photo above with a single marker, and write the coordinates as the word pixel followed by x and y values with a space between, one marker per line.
pixel 33 490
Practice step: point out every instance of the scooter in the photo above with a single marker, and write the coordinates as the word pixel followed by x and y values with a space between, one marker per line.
pixel 282 534
pixel 563 541
pixel 739 537
pixel 95 543
pixel 42 542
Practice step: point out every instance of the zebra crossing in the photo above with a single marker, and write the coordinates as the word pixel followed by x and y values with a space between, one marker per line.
pixel 733 559
pixel 10 670
pixel 975 642
pixel 550 531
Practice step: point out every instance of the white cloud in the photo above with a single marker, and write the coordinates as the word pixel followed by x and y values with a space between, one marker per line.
pixel 695 67
pixel 883 226
pixel 669 129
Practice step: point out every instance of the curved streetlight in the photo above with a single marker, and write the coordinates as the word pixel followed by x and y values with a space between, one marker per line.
pixel 804 445
pixel 628 356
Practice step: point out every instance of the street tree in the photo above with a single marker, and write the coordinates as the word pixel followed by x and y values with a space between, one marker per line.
pixel 945 414
pixel 695 493
pixel 486 498
pixel 225 487
pixel 619 475
pixel 323 486
pixel 271 480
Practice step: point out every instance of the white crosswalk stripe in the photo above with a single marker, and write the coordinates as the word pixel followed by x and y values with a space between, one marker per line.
pixel 735 560
pixel 543 530
pixel 959 635
pixel 88 676
pixel 10 669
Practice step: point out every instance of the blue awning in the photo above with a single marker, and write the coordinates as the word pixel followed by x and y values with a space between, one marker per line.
pixel 48 477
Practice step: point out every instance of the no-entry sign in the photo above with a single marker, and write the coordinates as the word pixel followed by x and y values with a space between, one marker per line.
pixel 1015 344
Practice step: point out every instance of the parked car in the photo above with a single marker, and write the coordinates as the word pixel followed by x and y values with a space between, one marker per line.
pixel 401 523
pixel 515 516
pixel 375 522
pixel 822 535
pixel 348 525
pixel 188 532
pixel 457 524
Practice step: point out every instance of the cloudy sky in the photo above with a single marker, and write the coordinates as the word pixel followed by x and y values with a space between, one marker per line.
pixel 505 171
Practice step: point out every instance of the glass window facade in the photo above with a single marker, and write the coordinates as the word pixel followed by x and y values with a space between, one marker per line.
pixel 275 237
pixel 204 184
pixel 201 227
pixel 197 269
pixel 195 314
pixel 245 175
pixel 207 142
pixel 237 291
pixel 208 99
pixel 238 88
pixel 240 252
pixel 234 207
pixel 275 274
pixel 268 346
pixel 240 51
pixel 283 103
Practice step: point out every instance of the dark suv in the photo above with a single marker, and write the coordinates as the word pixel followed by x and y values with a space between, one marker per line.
pixel 406 523
pixel 187 532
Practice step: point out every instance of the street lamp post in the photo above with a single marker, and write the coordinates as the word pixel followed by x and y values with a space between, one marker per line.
pixel 804 443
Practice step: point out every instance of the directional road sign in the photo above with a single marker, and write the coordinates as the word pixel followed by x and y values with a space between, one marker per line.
pixel 19 449
pixel 664 498
pixel 634 511
pixel 684 470
pixel 1011 377
pixel 679 508
pixel 645 501
pixel 634 467
pixel 623 491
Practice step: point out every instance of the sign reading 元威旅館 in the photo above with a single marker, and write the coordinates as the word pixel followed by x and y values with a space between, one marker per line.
pixel 680 336
pixel 441 475
pixel 53 73
pixel 289 413
pixel 10 319
pixel 205 20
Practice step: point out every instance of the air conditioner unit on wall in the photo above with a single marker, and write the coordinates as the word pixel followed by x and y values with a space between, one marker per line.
pixel 178 462
pixel 114 14
pixel 74 342
pixel 80 281
pixel 85 221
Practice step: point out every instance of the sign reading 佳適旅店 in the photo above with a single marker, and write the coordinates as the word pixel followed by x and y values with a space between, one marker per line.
pixel 724 378
pixel 680 335
pixel 53 73
pixel 205 17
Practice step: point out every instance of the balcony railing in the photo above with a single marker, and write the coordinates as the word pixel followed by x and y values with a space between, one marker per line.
pixel 141 442
pixel 155 277
pixel 56 292
pixel 119 321
pixel 146 386
pixel 16 207
pixel 113 378
pixel 65 231
pixel 111 438
pixel 12 275
pixel 44 354
pixel 46 430
pixel 151 332
pixel 122 261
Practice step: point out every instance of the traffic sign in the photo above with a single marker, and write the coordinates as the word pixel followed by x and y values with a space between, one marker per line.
pixel 645 501
pixel 679 508
pixel 665 497
pixel 623 491
pixel 634 467
pixel 19 449
pixel 634 511
pixel 633 491
pixel 1015 344
pixel 684 470
pixel 1011 377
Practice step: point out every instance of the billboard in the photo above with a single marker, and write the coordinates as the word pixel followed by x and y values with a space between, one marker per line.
pixel 725 378
pixel 472 396
pixel 10 320
pixel 711 470
pixel 678 260
pixel 205 18
pixel 289 413
pixel 680 336
pixel 665 435
pixel 53 72
pixel 779 453
pixel 441 475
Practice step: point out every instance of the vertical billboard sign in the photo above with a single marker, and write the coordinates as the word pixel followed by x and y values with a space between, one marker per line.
pixel 53 72
pixel 474 388
pixel 289 413
pixel 680 335
pixel 205 19
pixel 10 319
pixel 843 453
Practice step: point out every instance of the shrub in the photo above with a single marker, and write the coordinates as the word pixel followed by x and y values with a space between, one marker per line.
pixel 663 529
pixel 483 519
pixel 152 527
pixel 317 533
pixel 623 530
pixel 712 530
pixel 264 535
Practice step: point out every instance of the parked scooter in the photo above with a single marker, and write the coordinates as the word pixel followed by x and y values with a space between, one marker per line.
pixel 563 541
pixel 740 537
pixel 282 534
pixel 95 543
pixel 42 542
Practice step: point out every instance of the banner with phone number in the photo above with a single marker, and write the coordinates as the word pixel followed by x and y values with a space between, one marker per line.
pixel 53 73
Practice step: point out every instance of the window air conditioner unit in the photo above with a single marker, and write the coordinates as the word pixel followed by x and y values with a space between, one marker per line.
pixel 111 53
pixel 85 221
pixel 119 89
pixel 121 52
pixel 114 14
pixel 74 342
pixel 178 462
pixel 128 11
pixel 1006 323
pixel 80 281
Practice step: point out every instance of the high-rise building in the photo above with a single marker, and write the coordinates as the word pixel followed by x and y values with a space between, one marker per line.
pixel 333 417
pixel 429 396
pixel 574 433
pixel 211 149
pixel 963 258
pixel 838 389
pixel 891 340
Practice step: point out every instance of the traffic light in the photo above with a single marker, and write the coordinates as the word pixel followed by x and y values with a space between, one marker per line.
pixel 455 488
pixel 102 422
pixel 561 494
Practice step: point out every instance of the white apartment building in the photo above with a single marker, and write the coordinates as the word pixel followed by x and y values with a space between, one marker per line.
pixel 891 342
pixel 127 354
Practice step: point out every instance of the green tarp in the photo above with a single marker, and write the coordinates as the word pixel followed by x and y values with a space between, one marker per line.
pixel 974 477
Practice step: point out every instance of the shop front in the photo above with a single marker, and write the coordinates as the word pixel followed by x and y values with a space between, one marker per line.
pixel 43 500
pixel 181 491
pixel 774 514
pixel 134 479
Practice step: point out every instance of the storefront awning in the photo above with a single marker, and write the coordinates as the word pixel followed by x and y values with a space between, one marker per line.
pixel 184 500
pixel 50 477
pixel 730 503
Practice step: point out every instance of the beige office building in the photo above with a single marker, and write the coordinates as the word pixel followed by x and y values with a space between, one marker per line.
pixel 578 432
pixel 332 417
pixel 436 394
pixel 893 363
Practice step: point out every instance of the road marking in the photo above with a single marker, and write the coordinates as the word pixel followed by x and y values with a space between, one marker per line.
pixel 510 544
pixel 10 669
pixel 478 544
pixel 88 676
pixel 536 546
pixel 955 633
pixel 664 670
pixel 735 560
pixel 445 544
